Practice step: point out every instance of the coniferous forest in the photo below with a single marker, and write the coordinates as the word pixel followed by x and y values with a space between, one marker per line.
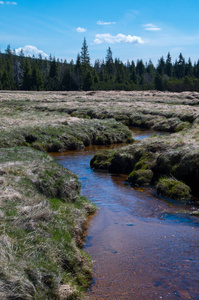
pixel 18 72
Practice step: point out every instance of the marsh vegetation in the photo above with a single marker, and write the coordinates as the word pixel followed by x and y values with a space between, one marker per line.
pixel 43 216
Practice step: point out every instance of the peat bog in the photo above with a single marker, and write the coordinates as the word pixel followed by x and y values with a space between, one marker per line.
pixel 42 258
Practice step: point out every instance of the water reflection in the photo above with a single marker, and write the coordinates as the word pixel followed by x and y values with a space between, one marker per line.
pixel 142 133
pixel 143 247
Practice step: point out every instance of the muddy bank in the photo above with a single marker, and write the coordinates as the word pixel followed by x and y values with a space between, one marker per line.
pixel 147 161
pixel 43 218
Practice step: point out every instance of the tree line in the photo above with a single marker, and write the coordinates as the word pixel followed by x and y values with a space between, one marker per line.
pixel 18 72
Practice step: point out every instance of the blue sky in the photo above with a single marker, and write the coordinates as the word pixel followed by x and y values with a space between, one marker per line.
pixel 133 29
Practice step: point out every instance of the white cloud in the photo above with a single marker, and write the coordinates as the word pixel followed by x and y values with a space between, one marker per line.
pixel 8 3
pixel 81 29
pixel 151 27
pixel 29 50
pixel 105 23
pixel 119 38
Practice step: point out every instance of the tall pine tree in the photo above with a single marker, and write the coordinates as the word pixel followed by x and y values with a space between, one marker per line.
pixel 109 61
pixel 84 56
pixel 168 66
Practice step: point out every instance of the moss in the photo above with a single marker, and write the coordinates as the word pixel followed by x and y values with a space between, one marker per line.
pixel 102 159
pixel 146 161
pixel 173 188
pixel 100 140
pixel 122 163
pixel 167 162
pixel 174 168
pixel 141 177
pixel 188 167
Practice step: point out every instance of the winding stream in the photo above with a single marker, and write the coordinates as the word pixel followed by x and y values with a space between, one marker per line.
pixel 143 247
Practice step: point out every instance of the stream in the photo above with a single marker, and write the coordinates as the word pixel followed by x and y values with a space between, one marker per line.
pixel 143 247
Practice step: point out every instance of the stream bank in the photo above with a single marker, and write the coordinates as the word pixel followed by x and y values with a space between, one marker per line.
pixel 142 247
pixel 147 161
pixel 42 220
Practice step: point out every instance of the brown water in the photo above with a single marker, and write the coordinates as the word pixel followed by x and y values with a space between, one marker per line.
pixel 143 247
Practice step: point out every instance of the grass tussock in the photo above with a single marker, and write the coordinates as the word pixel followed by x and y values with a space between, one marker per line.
pixel 162 111
pixel 43 219
pixel 66 137
pixel 172 188
pixel 146 161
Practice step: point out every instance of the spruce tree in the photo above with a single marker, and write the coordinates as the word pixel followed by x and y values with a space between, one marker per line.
pixel 109 61
pixel 10 68
pixel 180 67
pixel 78 72
pixel 97 66
pixel 84 56
pixel 5 80
pixel 168 66
pixel 53 76
pixel 133 75
pixel 37 82
pixel 140 68
pixel 88 81
pixel 68 83
pixel 150 69
pixel 189 68
pixel 53 69
pixel 159 84
pixel 27 76
pixel 161 66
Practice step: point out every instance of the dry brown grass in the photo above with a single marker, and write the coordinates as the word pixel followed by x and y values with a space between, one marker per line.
pixel 41 229
pixel 30 108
